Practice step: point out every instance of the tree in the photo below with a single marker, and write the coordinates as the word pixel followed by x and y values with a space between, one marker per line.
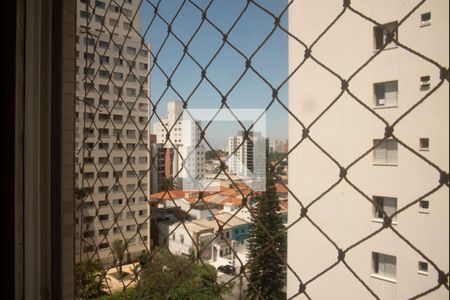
pixel 89 279
pixel 178 278
pixel 167 184
pixel 118 249
pixel 267 271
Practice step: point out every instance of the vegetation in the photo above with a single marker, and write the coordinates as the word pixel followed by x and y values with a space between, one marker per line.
pixel 212 154
pixel 89 279
pixel 118 250
pixel 166 276
pixel 167 184
pixel 267 271
pixel 276 157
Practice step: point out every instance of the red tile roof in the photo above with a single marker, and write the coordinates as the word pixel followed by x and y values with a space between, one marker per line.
pixel 168 195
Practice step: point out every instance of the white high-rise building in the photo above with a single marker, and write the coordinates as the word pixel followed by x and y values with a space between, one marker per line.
pixel 392 176
pixel 247 156
pixel 184 136
pixel 112 139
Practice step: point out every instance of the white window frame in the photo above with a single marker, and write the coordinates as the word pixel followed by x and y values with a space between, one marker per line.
pixel 390 98
pixel 389 210
pixel 389 149
pixel 425 23
pixel 425 83
pixel 384 266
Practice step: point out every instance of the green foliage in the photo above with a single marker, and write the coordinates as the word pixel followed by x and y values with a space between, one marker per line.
pixel 144 260
pixel 118 249
pixel 130 293
pixel 177 278
pixel 89 279
pixel 275 156
pixel 267 271
pixel 167 184
pixel 213 154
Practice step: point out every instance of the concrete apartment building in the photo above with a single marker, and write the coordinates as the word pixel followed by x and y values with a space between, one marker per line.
pixel 184 137
pixel 247 156
pixel 112 142
pixel 392 175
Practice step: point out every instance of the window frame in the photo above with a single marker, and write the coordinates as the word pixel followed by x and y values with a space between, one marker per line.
pixel 383 84
pixel 379 258
pixel 387 161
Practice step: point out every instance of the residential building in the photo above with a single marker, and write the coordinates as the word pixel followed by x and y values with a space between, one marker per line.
pixel 182 134
pixel 164 164
pixel 392 175
pixel 219 248
pixel 247 154
pixel 112 131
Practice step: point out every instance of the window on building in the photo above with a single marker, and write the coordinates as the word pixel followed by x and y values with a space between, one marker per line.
pixel 103 88
pixel 127 12
pixel 131 228
pixel 143 66
pixel 423 267
pixel 103 246
pixel 384 265
pixel 84 14
pixel 103 174
pixel 117 160
pixel 425 19
pixel 131 92
pixel 424 144
pixel 381 34
pixel 424 206
pixel 425 83
pixel 117 202
pixel 114 8
pixel 386 152
pixel 103 217
pixel 99 19
pixel 386 94
pixel 100 4
pixel 118 61
pixel 103 74
pixel 103 44
pixel 118 76
pixel 386 204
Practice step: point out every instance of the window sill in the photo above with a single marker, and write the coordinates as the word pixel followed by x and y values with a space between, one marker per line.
pixel 424 150
pixel 425 212
pixel 385 164
pixel 381 221
pixel 385 107
pixel 386 49
pixel 423 273
pixel 425 24
pixel 376 276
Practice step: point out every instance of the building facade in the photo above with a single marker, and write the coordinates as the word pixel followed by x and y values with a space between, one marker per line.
pixel 112 130
pixel 184 139
pixel 247 155
pixel 392 175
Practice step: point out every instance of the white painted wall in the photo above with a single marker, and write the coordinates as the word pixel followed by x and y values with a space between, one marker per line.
pixel 348 130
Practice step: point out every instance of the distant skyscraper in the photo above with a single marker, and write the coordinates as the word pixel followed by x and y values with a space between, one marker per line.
pixel 112 137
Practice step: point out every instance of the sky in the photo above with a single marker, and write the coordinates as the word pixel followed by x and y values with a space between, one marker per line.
pixel 251 92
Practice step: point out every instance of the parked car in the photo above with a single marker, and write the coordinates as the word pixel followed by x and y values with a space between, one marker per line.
pixel 227 269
